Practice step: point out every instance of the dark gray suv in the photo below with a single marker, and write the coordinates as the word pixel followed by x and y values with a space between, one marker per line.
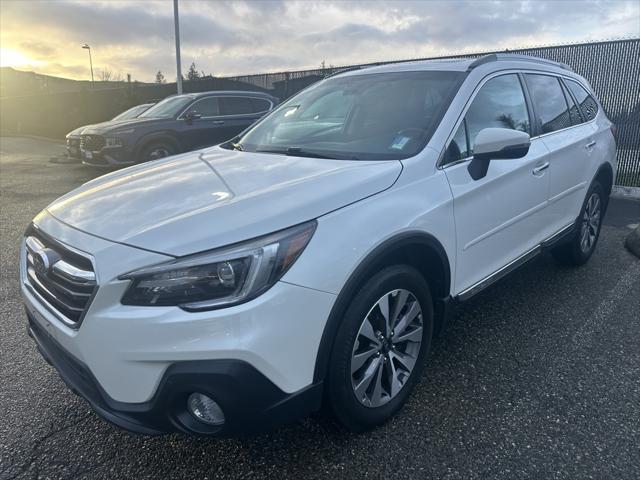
pixel 179 123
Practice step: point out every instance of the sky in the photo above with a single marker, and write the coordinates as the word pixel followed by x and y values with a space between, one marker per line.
pixel 242 37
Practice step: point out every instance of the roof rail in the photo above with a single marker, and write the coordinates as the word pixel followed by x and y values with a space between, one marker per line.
pixel 496 57
pixel 345 70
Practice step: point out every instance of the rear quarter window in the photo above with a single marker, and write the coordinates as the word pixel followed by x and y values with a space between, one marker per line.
pixel 236 105
pixel 588 104
pixel 260 105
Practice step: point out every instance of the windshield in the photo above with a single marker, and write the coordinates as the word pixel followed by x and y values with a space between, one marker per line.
pixel 132 112
pixel 370 116
pixel 168 108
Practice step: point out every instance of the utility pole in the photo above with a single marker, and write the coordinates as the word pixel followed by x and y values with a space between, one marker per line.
pixel 176 23
pixel 87 47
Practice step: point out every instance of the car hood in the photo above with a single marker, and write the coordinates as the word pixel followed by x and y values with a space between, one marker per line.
pixel 113 126
pixel 78 131
pixel 203 200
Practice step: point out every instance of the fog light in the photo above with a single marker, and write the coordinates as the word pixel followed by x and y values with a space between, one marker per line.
pixel 205 409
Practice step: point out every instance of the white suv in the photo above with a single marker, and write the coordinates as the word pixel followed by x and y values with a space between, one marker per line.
pixel 312 259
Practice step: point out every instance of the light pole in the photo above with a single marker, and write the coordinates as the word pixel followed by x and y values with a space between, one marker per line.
pixel 176 24
pixel 87 47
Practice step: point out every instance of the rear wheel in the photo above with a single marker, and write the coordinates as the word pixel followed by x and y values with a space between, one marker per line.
pixel 583 242
pixel 156 150
pixel 380 348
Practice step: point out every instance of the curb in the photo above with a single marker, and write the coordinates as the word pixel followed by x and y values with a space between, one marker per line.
pixel 626 193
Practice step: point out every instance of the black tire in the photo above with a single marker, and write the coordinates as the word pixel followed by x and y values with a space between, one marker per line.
pixel 350 411
pixel 157 149
pixel 573 252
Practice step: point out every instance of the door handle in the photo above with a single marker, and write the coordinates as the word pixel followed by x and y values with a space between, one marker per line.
pixel 590 145
pixel 218 122
pixel 540 168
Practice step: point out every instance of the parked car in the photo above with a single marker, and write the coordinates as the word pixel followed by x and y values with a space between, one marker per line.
pixel 73 138
pixel 178 123
pixel 314 257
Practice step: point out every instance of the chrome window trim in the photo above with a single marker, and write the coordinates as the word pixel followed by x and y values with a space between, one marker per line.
pixel 239 115
pixel 480 84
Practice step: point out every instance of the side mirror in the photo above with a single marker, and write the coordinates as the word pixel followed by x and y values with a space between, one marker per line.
pixel 191 116
pixel 495 144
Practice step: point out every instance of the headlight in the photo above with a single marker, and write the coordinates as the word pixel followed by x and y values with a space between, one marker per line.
pixel 222 277
pixel 112 142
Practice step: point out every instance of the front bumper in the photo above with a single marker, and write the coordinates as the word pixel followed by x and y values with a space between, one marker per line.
pixel 107 157
pixel 131 354
pixel 250 402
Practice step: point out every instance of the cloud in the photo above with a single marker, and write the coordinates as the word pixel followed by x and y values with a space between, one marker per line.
pixel 255 36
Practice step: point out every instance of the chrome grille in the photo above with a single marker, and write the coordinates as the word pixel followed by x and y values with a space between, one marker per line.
pixel 92 143
pixel 61 277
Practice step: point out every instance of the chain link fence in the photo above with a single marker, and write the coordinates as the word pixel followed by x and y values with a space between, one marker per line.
pixel 612 68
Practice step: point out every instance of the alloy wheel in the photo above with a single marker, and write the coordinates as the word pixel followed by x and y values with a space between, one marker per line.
pixel 159 152
pixel 386 348
pixel 590 223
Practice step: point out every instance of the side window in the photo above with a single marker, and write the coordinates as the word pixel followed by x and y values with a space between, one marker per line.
pixel 588 105
pixel 457 149
pixel 236 105
pixel 574 111
pixel 260 105
pixel 499 103
pixel 549 102
pixel 207 107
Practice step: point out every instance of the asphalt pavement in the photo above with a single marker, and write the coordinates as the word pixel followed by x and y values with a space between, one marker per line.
pixel 538 377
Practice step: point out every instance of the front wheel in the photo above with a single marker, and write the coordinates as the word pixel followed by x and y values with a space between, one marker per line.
pixel 380 348
pixel 156 150
pixel 583 242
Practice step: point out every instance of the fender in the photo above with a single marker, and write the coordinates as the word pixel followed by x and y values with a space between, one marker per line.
pixel 372 262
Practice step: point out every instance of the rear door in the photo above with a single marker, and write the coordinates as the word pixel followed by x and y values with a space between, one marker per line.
pixel 501 216
pixel 569 138
pixel 240 112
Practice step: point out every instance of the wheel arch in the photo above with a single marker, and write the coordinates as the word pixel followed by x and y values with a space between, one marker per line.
pixel 418 249
pixel 604 175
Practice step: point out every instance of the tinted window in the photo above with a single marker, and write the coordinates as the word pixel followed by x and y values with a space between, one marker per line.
pixel 236 105
pixel 587 103
pixel 207 107
pixel 549 102
pixel 260 105
pixel 169 107
pixel 499 103
pixel 574 111
pixel 358 116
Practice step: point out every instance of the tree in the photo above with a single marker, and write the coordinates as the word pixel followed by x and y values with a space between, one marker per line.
pixel 160 77
pixel 105 75
pixel 193 73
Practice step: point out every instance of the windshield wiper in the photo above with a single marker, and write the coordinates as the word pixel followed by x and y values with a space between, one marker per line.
pixel 300 152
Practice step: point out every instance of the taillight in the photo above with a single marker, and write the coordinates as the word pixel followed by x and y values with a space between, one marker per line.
pixel 614 131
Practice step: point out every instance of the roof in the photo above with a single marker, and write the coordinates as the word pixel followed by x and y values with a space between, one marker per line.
pixel 459 64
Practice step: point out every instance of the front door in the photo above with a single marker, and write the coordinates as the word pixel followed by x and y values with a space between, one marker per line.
pixel 208 129
pixel 499 217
